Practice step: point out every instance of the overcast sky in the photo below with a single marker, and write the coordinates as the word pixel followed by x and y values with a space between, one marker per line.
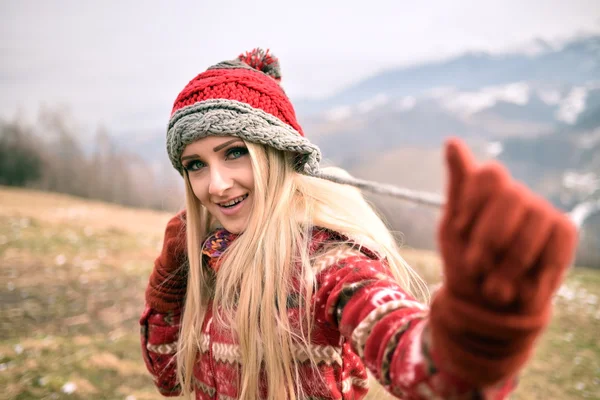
pixel 121 62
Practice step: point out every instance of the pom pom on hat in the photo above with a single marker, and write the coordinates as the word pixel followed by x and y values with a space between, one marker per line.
pixel 262 61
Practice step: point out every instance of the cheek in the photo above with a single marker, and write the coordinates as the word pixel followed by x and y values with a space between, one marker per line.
pixel 249 177
pixel 250 181
pixel 200 190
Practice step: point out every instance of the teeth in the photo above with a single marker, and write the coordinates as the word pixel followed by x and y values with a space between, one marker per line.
pixel 234 201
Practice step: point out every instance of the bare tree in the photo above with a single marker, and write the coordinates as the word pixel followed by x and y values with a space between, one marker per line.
pixel 64 159
pixel 20 160
pixel 49 157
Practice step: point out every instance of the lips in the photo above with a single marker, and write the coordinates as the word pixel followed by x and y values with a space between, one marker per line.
pixel 233 202
pixel 233 207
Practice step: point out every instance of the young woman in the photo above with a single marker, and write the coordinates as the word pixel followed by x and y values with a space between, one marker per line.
pixel 277 283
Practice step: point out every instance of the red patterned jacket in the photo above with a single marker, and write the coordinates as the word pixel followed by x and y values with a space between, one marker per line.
pixel 363 320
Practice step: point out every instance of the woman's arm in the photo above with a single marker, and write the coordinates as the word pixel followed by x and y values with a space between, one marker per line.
pixel 160 321
pixel 389 330
pixel 159 333
pixel 505 252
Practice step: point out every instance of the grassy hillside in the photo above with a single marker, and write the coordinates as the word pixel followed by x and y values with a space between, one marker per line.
pixel 73 274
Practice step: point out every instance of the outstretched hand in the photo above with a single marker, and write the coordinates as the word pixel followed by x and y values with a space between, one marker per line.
pixel 505 252
pixel 497 232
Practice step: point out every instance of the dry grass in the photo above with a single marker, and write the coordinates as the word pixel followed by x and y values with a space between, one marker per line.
pixel 73 273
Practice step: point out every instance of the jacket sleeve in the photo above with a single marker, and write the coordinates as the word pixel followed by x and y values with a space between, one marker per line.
pixel 159 334
pixel 160 321
pixel 388 329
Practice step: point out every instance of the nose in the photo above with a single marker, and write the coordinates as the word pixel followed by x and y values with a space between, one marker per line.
pixel 220 181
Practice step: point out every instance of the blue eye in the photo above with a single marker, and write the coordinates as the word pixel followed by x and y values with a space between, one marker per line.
pixel 236 152
pixel 194 165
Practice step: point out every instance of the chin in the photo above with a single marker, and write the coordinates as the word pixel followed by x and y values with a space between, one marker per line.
pixel 235 228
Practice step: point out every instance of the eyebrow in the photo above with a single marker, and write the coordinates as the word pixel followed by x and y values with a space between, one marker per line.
pixel 222 145
pixel 217 148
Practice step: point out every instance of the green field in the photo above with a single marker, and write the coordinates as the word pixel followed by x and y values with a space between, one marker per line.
pixel 73 274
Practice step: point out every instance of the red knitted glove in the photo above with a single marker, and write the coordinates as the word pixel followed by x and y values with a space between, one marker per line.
pixel 168 281
pixel 505 252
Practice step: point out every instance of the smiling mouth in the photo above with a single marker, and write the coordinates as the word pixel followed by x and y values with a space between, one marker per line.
pixel 234 202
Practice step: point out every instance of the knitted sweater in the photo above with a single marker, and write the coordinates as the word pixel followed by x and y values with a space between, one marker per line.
pixel 363 321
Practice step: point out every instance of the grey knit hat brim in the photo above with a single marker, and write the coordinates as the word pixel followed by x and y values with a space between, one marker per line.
pixel 223 117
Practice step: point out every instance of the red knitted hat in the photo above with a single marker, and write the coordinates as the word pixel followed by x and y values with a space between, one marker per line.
pixel 242 98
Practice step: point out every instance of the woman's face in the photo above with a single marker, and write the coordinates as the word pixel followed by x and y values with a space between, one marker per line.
pixel 220 173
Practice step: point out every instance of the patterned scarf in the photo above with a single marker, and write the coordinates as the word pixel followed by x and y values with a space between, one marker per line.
pixel 215 245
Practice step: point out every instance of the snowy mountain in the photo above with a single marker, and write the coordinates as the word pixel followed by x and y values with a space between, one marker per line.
pixel 576 63
pixel 537 113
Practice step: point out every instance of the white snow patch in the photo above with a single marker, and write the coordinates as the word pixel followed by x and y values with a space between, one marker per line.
pixel 69 388
pixel 494 149
pixel 586 182
pixel 572 105
pixel 583 211
pixel 472 102
pixel 372 103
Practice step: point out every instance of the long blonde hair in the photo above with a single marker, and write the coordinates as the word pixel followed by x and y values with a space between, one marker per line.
pixel 255 278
